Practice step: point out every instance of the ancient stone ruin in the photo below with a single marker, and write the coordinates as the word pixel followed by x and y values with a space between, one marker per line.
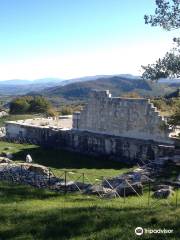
pixel 125 129
pixel 125 117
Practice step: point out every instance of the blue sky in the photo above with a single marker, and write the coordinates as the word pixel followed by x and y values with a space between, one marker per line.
pixel 72 38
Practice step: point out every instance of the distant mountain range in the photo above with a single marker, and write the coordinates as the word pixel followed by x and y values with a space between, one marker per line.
pixel 79 88
pixel 21 87
pixel 118 85
pixel 30 82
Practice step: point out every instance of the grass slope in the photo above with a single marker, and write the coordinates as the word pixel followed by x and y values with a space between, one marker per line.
pixel 27 213
pixel 59 160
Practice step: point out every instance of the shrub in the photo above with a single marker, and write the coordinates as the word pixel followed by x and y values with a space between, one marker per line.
pixel 19 105
pixel 28 104
pixel 131 95
pixel 51 112
pixel 66 110
pixel 39 105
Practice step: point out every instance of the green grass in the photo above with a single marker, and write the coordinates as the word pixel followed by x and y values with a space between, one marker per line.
pixel 59 161
pixel 28 213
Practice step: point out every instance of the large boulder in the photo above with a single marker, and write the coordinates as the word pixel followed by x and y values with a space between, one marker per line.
pixel 36 168
pixel 163 193
pixel 138 175
pixel 113 182
pixel 97 190
pixel 126 189
pixel 111 194
pixel 162 186
pixel 69 186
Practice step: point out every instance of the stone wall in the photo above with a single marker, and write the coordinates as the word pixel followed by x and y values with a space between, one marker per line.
pixel 119 128
pixel 104 145
pixel 34 134
pixel 125 117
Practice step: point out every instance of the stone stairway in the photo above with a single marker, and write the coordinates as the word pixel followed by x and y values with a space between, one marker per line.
pixel 155 112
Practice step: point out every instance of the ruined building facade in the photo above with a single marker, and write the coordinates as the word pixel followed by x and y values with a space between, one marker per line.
pixel 117 128
pixel 133 118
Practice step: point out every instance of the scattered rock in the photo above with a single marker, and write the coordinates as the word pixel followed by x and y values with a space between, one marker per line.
pixel 97 190
pixel 162 186
pixel 28 158
pixel 111 194
pixel 178 178
pixel 2 132
pixel 69 186
pixel 163 193
pixel 36 168
pixel 125 189
pixel 9 155
pixel 5 160
pixel 6 154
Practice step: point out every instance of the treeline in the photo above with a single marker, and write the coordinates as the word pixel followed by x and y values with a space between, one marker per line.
pixel 170 108
pixel 167 106
pixel 32 104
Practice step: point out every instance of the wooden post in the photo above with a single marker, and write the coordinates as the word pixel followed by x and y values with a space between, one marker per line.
pixel 149 190
pixel 21 174
pixel 83 177
pixel 49 178
pixel 65 181
pixel 124 194
pixel 177 197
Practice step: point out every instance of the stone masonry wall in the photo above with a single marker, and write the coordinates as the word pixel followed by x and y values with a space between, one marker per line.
pixel 104 145
pixel 133 118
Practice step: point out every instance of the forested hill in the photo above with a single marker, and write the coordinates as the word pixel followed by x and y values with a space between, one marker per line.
pixel 117 85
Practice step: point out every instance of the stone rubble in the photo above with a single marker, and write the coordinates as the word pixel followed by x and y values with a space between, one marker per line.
pixel 124 185
pixel 5 160
pixel 163 193
pixel 2 132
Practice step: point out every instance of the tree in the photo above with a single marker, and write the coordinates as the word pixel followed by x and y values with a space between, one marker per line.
pixel 131 95
pixel 28 104
pixel 39 105
pixel 167 16
pixel 52 112
pixel 66 110
pixel 19 106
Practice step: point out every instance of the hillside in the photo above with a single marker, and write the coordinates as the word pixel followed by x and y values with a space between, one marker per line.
pixel 20 87
pixel 118 85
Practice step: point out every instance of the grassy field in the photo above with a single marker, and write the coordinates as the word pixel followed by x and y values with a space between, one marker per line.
pixel 28 213
pixel 59 160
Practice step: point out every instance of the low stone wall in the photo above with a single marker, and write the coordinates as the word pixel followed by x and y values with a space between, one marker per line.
pixel 104 145
pixel 119 148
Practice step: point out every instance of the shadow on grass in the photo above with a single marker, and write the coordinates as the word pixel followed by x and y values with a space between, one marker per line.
pixel 64 159
pixel 85 223
pixel 16 192
pixel 66 220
